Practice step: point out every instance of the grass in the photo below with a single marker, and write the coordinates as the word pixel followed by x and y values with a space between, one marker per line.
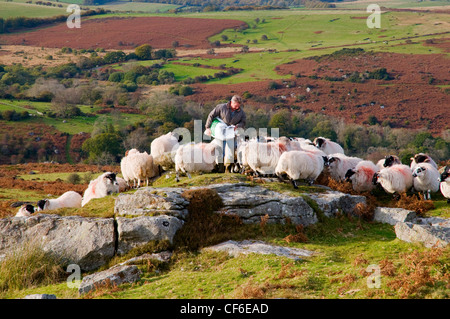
pixel 19 9
pixel 72 125
pixel 344 249
pixel 129 6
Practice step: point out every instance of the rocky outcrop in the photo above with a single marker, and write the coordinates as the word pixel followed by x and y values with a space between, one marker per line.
pixel 429 231
pixel 389 215
pixel 134 232
pixel 114 276
pixel 88 242
pixel 332 202
pixel 156 214
pixel 234 248
pixel 151 201
pixel 249 202
pixel 430 236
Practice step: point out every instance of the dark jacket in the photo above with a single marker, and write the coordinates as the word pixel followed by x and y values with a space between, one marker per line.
pixel 223 111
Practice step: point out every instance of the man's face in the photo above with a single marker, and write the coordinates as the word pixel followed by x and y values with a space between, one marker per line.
pixel 235 105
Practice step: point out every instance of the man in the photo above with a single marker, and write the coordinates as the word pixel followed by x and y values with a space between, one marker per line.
pixel 230 113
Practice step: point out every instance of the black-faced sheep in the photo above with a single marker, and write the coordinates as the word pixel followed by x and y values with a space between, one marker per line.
pixel 426 179
pixel 390 160
pixel 395 179
pixel 104 185
pixel 445 183
pixel 68 199
pixel 361 176
pixel 327 146
pixel 25 211
pixel 338 164
pixel 422 158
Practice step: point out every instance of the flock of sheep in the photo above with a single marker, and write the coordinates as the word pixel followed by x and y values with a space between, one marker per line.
pixel 294 158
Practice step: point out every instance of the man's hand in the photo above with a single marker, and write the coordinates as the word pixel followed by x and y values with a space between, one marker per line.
pixel 208 132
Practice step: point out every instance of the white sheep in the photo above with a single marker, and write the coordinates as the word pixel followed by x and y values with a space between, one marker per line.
pixel 422 158
pixel 445 183
pixel 328 146
pixel 426 179
pixel 300 165
pixel 394 179
pixel 361 176
pixel 137 167
pixel 163 149
pixel 338 164
pixel 68 199
pixel 25 211
pixel 104 185
pixel 200 157
pixel 263 157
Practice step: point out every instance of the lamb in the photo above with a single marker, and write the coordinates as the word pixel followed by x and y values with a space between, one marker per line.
pixel 102 186
pixel 421 158
pixel 200 157
pixel 68 199
pixel 328 146
pixel 338 164
pixel 299 165
pixel 163 149
pixel 390 160
pixel 361 176
pixel 445 183
pixel 25 211
pixel 394 179
pixel 426 179
pixel 136 166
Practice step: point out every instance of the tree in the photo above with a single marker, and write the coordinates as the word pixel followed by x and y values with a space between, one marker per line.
pixel 114 57
pixel 144 52
pixel 109 143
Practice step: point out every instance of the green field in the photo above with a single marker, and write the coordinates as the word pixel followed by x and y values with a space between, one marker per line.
pixel 73 125
pixel 20 9
pixel 128 6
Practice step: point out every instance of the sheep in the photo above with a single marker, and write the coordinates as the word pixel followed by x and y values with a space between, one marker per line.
pixel 136 166
pixel 327 146
pixel 25 211
pixel 300 165
pixel 338 164
pixel 445 183
pixel 163 149
pixel 102 186
pixel 422 158
pixel 200 157
pixel 390 160
pixel 361 176
pixel 123 185
pixel 68 199
pixel 263 157
pixel 394 179
pixel 426 179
